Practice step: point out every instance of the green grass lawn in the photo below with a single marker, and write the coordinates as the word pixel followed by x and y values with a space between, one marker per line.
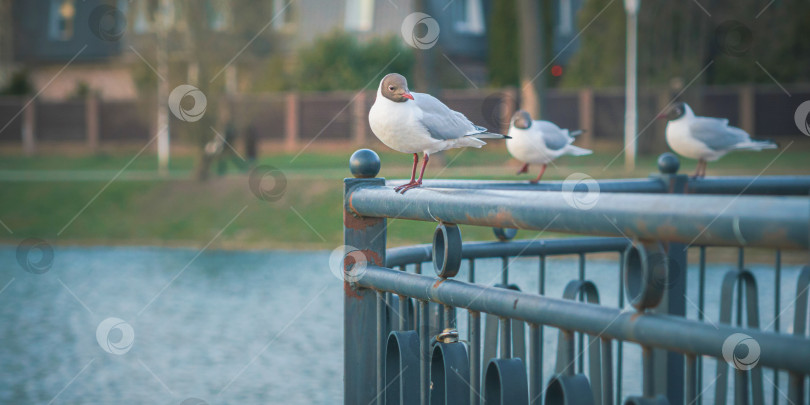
pixel 148 210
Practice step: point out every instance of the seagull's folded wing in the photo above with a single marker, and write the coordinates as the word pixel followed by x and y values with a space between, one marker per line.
pixel 441 122
pixel 716 133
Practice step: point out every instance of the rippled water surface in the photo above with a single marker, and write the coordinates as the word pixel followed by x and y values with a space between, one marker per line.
pixel 224 326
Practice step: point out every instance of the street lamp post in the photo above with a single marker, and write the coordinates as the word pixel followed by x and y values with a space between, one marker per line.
pixel 630 89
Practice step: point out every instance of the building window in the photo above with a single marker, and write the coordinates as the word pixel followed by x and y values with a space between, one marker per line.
pixel 471 17
pixel 282 14
pixel 62 16
pixel 359 15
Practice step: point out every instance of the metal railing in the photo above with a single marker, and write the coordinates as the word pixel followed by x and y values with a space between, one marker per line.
pixel 401 325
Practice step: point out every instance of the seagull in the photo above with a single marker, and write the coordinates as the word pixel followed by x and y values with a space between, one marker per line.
pixel 411 122
pixel 705 139
pixel 539 142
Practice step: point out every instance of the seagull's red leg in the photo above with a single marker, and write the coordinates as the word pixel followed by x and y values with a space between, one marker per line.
pixel 524 169
pixel 539 176
pixel 700 171
pixel 413 173
pixel 703 171
pixel 421 175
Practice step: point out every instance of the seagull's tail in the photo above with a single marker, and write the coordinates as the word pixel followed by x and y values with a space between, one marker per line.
pixel 577 132
pixel 490 135
pixel 757 145
pixel 577 151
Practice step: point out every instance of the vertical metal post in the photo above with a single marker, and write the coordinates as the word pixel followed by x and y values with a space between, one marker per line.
pixel 630 92
pixel 359 309
pixel 506 338
pixel 701 304
pixel 581 336
pixel 403 308
pixel 607 372
pixel 471 279
pixel 29 127
pixel 691 379
pixel 776 311
pixel 292 120
pixel 619 343
pixel 380 346
pixel 505 271
pixel 449 317
pixel 536 363
pixel 162 60
pixel 424 352
pixel 668 365
pixel 536 347
pixel 475 358
pixel 648 372
pixel 91 118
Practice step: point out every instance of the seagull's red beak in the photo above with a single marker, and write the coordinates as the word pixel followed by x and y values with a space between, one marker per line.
pixel 407 95
pixel 659 116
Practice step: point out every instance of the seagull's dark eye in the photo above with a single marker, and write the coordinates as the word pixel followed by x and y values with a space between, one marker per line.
pixel 391 88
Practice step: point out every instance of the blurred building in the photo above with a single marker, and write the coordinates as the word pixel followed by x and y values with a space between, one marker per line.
pixel 59 43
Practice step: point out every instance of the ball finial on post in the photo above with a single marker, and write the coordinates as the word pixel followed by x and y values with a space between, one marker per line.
pixel 668 163
pixel 364 163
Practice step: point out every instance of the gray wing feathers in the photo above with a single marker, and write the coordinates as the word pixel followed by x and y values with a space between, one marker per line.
pixel 717 134
pixel 556 140
pixel 554 137
pixel 442 122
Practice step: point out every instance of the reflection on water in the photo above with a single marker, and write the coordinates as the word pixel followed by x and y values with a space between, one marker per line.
pixel 225 327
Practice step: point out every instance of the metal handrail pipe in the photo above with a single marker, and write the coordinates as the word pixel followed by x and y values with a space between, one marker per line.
pixel 761 221
pixel 529 247
pixel 763 185
pixel 649 185
pixel 781 351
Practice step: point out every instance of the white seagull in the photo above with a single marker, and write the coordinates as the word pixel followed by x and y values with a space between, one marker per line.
pixel 539 142
pixel 417 122
pixel 705 139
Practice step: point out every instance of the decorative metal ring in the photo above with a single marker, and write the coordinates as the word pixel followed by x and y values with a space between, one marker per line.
pixel 569 390
pixel 446 250
pixel 505 382
pixel 659 400
pixel 640 284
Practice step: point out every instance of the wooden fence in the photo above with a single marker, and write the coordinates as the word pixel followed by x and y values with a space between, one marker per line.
pixel 296 119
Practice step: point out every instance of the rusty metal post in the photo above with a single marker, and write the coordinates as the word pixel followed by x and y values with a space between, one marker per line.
pixel 359 119
pixel 368 235
pixel 292 120
pixel 586 117
pixel 29 125
pixel 746 107
pixel 91 117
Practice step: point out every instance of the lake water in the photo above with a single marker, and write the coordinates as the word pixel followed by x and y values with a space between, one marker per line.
pixel 225 326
